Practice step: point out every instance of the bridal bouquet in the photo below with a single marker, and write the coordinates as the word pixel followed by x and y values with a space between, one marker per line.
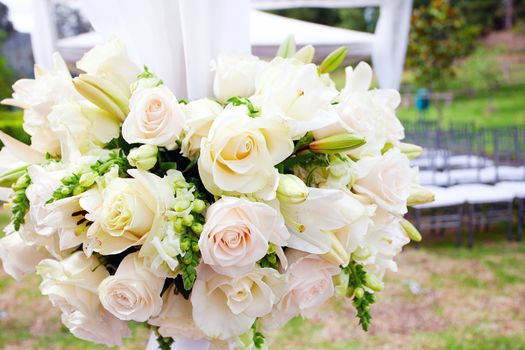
pixel 212 219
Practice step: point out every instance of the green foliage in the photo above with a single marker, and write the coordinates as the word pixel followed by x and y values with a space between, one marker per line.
pixel 6 73
pixel 243 101
pixel 189 244
pixel 72 185
pixel 270 260
pixel 480 71
pixel 258 337
pixel 164 343
pixel 20 203
pixel 362 299
pixel 439 35
pixel 11 122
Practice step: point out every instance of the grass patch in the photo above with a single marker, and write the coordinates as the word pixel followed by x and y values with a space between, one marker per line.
pixel 502 107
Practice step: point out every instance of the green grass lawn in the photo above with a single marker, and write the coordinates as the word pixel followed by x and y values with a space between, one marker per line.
pixel 502 107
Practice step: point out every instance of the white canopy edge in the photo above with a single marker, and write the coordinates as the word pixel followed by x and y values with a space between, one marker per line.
pixel 267 32
pixel 284 4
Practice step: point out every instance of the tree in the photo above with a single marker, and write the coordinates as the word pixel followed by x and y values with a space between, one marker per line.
pixel 439 35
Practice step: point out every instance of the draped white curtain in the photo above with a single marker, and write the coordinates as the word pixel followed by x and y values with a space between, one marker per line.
pixel 176 39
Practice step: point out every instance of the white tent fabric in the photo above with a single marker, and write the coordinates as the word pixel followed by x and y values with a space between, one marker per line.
pixel 176 39
pixel 198 30
pixel 390 37
pixel 267 31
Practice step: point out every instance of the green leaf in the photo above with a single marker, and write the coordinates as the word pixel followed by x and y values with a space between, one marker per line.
pixel 243 101
pixel 287 48
pixel 333 60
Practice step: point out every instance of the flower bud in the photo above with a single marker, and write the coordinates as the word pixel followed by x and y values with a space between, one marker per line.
pixel 187 220
pixel 87 179
pixel 359 292
pixel 361 253
pixel 339 143
pixel 305 54
pixel 291 189
pixel 103 94
pixel 411 230
pixel 374 283
pixel 143 157
pixel 410 150
pixel 419 195
pixel 198 206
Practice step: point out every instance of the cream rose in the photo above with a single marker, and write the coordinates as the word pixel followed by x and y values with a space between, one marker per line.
pixel 133 293
pixel 155 118
pixel 237 234
pixel 200 115
pixel 386 180
pixel 176 320
pixel 19 258
pixel 126 211
pixel 240 153
pixel 235 76
pixel 295 91
pixel 71 285
pixel 225 307
pixel 310 285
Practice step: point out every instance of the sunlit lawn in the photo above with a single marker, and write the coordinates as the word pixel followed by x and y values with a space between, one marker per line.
pixel 504 106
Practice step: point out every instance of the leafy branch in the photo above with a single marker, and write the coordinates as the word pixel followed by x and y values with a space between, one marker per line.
pixel 362 299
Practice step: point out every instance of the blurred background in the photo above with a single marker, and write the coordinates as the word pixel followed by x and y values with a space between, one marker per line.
pixel 460 66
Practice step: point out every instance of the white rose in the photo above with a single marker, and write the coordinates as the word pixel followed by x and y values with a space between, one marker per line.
pixel 309 286
pixel 18 257
pixel 235 76
pixel 386 180
pixel 294 91
pixel 224 307
pixel 240 153
pixel 71 285
pixel 155 118
pixel 370 113
pixel 200 115
pixel 133 293
pixel 126 211
pixel 176 319
pixel 237 234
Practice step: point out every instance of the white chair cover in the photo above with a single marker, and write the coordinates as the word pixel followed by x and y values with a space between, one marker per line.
pixel 176 39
